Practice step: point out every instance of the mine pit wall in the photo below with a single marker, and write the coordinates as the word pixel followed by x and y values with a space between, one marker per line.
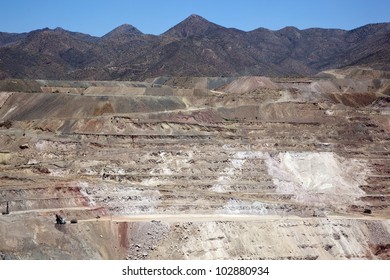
pixel 86 84
pixel 209 83
pixel 19 85
pixel 30 106
pixel 354 99
pixel 69 90
pixel 44 239
pixel 277 112
pixel 313 239
pixel 268 174
pixel 4 97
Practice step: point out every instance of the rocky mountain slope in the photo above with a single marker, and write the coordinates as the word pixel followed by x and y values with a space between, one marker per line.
pixel 194 47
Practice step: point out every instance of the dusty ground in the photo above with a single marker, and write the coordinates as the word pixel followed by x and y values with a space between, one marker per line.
pixel 198 168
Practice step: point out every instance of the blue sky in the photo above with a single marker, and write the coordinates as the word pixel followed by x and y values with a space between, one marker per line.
pixel 97 17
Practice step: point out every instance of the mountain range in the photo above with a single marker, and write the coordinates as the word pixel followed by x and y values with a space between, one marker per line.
pixel 193 47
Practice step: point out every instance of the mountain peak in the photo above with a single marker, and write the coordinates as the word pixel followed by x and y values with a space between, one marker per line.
pixel 62 33
pixel 59 29
pixel 123 30
pixel 196 17
pixel 192 25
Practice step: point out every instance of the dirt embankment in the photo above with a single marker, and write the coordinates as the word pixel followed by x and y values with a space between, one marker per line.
pixel 13 85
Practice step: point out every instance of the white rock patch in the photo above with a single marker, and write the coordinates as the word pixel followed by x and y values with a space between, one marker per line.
pixel 234 170
pixel 313 173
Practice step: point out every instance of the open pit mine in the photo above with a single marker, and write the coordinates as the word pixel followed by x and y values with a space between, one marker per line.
pixel 197 168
